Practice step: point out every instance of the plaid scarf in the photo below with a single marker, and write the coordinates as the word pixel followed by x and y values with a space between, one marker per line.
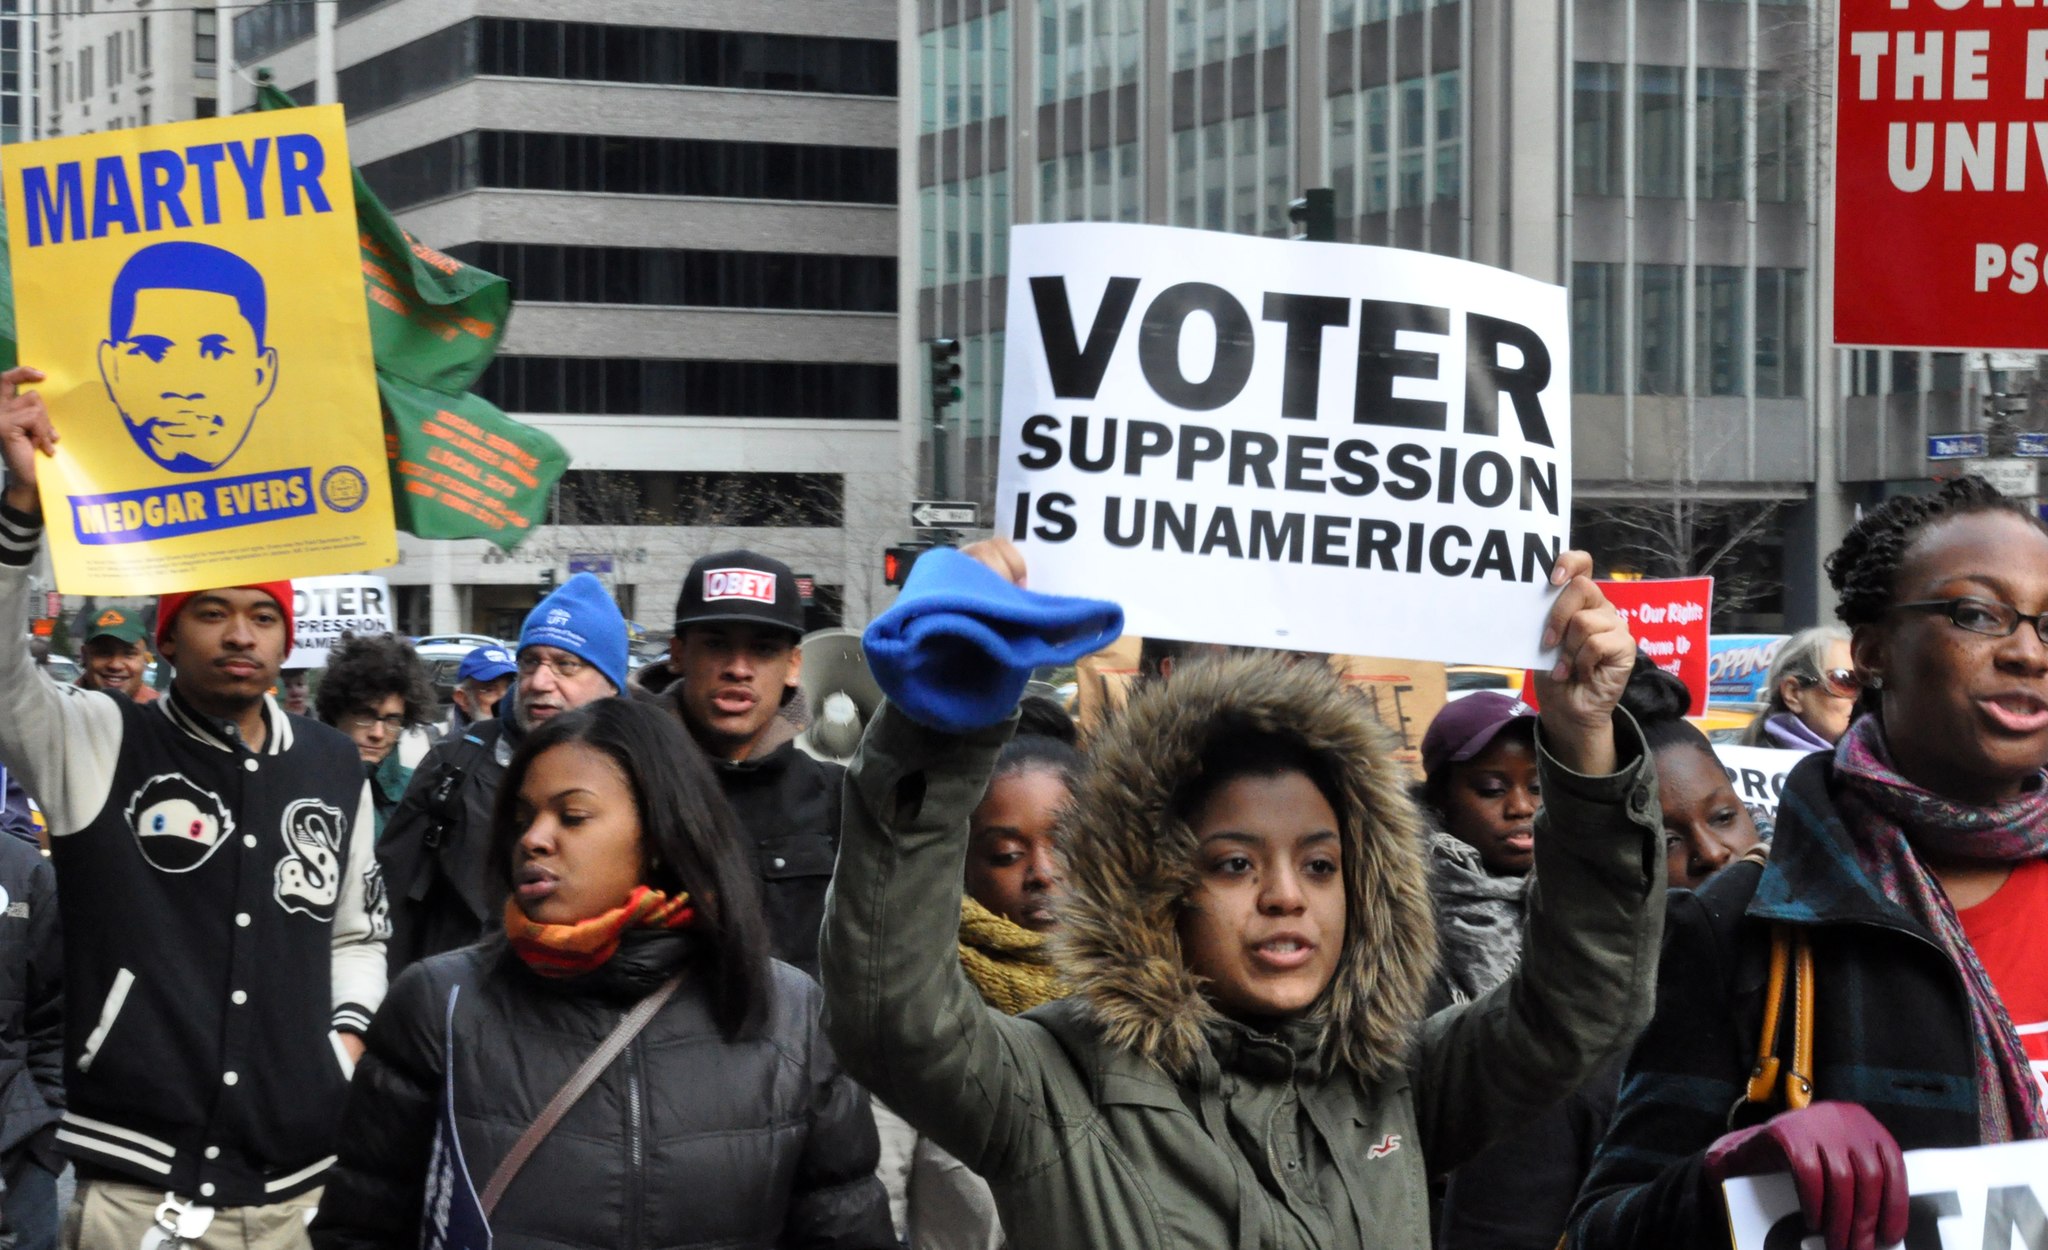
pixel 1891 822
pixel 570 950
pixel 1008 963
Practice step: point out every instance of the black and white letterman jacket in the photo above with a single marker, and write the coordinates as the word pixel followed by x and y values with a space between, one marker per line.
pixel 223 922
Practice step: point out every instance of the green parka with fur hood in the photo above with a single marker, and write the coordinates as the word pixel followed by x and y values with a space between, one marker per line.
pixel 1132 1115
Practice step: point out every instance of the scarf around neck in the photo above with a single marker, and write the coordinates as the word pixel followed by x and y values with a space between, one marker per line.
pixel 1789 732
pixel 1007 962
pixel 571 950
pixel 1892 822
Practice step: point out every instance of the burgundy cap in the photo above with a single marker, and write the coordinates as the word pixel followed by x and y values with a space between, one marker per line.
pixel 1466 726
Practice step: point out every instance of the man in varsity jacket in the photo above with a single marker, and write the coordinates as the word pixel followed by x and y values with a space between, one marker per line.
pixel 223 920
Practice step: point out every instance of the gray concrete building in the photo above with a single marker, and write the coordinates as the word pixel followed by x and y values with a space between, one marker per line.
pixel 121 66
pixel 695 201
pixel 1662 158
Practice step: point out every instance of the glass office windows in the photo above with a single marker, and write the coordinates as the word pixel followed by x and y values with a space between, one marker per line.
pixel 1660 329
pixel 1780 333
pixel 1597 121
pixel 1718 158
pixel 1596 327
pixel 1660 130
pixel 1719 340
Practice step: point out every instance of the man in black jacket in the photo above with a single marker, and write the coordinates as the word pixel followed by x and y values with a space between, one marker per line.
pixel 223 918
pixel 732 667
pixel 31 1044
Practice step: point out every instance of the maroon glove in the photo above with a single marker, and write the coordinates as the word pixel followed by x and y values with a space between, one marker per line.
pixel 1848 1170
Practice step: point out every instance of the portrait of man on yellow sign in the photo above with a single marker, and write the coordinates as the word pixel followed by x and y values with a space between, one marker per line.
pixel 184 359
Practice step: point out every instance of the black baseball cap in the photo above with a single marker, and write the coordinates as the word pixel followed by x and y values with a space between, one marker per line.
pixel 740 586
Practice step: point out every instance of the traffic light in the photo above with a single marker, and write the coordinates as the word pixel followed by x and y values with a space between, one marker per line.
pixel 897 561
pixel 1316 213
pixel 945 373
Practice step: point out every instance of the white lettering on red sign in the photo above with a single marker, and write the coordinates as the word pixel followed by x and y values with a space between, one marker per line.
pixel 739 584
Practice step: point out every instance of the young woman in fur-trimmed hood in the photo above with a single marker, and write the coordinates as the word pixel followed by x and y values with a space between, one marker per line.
pixel 1243 1062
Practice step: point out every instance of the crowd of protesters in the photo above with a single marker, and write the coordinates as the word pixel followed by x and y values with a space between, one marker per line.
pixel 603 957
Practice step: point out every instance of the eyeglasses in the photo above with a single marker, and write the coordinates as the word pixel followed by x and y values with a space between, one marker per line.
pixel 1843 683
pixel 1981 616
pixel 567 667
pixel 363 720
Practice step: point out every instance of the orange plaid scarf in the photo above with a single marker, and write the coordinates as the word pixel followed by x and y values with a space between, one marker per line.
pixel 570 950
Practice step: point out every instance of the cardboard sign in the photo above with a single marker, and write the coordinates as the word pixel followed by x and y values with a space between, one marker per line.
pixel 194 294
pixel 325 608
pixel 1941 167
pixel 1739 666
pixel 1103 681
pixel 1981 1198
pixel 1271 443
pixel 1758 775
pixel 1669 620
pixel 1406 695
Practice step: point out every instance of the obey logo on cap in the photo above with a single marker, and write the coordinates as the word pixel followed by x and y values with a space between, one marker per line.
pixel 748 584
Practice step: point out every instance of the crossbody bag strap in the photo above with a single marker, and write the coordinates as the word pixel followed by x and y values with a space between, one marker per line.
pixel 578 1084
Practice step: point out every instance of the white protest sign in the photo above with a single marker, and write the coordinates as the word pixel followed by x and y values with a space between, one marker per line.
pixel 1981 1198
pixel 324 608
pixel 1758 775
pixel 1273 443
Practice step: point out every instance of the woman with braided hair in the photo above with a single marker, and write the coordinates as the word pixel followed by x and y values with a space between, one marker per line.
pixel 1913 859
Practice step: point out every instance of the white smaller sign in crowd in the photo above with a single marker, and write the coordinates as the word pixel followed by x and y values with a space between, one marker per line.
pixel 1758 775
pixel 1981 1198
pixel 325 608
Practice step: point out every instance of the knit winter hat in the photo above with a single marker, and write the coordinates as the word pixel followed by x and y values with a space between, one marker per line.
pixel 960 642
pixel 168 607
pixel 581 619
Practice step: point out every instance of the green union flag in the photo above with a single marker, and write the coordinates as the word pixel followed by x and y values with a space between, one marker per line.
pixel 460 468
pixel 7 356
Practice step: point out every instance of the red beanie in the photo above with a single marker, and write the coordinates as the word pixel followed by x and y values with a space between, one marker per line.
pixel 168 607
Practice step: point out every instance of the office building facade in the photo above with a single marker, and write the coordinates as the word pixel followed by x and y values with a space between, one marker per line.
pixel 107 67
pixel 695 202
pixel 1661 158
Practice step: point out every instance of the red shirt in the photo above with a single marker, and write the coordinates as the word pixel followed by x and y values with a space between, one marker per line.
pixel 2010 933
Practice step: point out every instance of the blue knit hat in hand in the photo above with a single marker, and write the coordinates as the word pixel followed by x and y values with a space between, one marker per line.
pixel 581 619
pixel 960 642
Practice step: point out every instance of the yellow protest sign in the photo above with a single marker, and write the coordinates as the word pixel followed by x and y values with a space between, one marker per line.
pixel 195 296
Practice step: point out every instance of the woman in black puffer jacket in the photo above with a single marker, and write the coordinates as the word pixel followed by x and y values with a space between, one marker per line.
pixel 727 1122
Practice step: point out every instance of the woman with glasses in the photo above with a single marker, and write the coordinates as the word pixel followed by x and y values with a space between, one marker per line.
pixel 1813 689
pixel 1912 861
pixel 377 692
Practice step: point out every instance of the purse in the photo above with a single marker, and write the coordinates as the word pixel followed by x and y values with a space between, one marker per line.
pixel 574 1088
pixel 1776 1083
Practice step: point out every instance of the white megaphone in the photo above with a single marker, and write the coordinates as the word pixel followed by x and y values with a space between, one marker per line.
pixel 840 691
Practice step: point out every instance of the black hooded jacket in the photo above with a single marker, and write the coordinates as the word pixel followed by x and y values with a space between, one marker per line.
pixel 687 1140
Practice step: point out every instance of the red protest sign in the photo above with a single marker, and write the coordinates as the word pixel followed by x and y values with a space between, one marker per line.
pixel 1941 167
pixel 1669 620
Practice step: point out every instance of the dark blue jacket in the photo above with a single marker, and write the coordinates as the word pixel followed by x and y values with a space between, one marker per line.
pixel 1891 1027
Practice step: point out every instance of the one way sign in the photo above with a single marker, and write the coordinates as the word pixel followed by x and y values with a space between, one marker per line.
pixel 944 514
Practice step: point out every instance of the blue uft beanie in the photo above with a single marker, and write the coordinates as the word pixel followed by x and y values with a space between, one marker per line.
pixel 581 619
pixel 960 642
